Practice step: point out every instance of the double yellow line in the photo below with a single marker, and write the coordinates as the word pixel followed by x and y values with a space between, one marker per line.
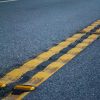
pixel 43 75
pixel 15 74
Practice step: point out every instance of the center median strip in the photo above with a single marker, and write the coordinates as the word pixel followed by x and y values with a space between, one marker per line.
pixel 17 73
pixel 43 75
pixel 32 64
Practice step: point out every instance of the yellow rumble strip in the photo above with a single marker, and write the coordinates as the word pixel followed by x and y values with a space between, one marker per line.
pixel 43 75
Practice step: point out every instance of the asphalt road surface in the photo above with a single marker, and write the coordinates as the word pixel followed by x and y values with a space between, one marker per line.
pixel 28 27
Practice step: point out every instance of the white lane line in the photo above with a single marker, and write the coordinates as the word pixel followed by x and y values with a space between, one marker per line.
pixel 2 1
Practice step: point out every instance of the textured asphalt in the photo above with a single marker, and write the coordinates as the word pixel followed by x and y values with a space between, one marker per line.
pixel 28 27
pixel 78 80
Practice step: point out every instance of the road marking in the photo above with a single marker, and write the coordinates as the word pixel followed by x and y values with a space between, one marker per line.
pixel 91 27
pixel 43 75
pixel 98 31
pixel 15 74
pixel 3 1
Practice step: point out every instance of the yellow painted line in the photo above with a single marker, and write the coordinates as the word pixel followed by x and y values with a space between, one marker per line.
pixel 98 31
pixel 43 75
pixel 15 74
pixel 2 85
pixel 92 26
pixel 96 23
pixel 88 29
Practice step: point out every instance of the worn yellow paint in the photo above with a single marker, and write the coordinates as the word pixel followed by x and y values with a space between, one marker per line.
pixel 66 58
pixel 16 73
pixel 81 45
pixel 63 44
pixel 88 40
pixel 85 42
pixel 78 35
pixel 54 49
pixel 47 55
pixel 96 23
pixel 67 42
pixel 98 31
pixel 40 77
pixel 93 37
pixel 75 50
pixel 72 39
pixel 32 64
pixel 88 29
pixel 55 65
pixel 92 26
pixel 43 75
pixel 2 85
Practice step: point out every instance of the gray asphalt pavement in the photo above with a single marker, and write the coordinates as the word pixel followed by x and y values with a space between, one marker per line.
pixel 77 80
pixel 28 27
